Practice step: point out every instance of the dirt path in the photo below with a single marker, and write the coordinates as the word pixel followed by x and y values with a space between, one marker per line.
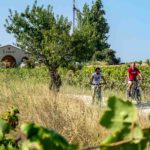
pixel 143 108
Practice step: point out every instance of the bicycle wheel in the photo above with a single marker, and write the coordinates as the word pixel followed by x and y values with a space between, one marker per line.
pixel 130 95
pixel 98 96
pixel 138 96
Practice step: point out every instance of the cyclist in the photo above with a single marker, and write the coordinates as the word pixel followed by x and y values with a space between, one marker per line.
pixel 133 72
pixel 96 80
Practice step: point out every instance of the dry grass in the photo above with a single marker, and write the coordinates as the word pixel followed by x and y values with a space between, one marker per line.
pixel 70 117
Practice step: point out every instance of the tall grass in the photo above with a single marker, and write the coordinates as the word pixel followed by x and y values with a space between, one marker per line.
pixel 71 117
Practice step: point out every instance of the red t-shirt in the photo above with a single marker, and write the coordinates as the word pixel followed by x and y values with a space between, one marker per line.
pixel 133 73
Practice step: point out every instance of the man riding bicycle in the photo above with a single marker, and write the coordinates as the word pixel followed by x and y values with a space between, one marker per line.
pixel 133 72
pixel 96 80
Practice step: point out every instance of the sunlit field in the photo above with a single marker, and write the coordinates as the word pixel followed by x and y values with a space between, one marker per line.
pixel 74 119
pixel 70 117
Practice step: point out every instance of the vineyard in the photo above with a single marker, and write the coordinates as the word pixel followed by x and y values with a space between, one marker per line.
pixel 114 75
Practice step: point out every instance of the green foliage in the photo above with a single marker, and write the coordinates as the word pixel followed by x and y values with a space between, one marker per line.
pixel 37 137
pixel 89 39
pixel 44 139
pixel 115 76
pixel 41 34
pixel 12 117
pixel 47 37
pixel 37 75
pixel 108 55
pixel 122 119
pixel 119 114
pixel 79 48
pixel 4 128
pixel 8 122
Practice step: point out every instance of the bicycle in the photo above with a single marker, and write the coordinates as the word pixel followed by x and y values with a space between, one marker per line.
pixel 97 93
pixel 135 93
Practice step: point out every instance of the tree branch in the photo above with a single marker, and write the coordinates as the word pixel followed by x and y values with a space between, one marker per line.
pixel 91 148
pixel 110 145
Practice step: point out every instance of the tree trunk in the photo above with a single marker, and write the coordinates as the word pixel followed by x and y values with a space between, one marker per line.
pixel 55 82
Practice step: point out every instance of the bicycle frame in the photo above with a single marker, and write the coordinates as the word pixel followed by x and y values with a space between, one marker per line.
pixel 135 91
pixel 97 93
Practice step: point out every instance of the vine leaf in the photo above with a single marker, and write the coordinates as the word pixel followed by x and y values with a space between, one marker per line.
pixel 44 138
pixel 121 118
pixel 119 114
pixel 4 128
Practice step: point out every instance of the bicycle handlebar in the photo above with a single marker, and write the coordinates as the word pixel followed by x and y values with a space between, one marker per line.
pixel 99 84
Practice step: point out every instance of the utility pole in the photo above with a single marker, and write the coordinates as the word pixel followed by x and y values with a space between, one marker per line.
pixel 74 14
pixel 75 9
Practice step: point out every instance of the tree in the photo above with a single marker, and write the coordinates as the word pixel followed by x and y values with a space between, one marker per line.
pixel 80 52
pixel 92 32
pixel 82 40
pixel 110 57
pixel 100 25
pixel 42 35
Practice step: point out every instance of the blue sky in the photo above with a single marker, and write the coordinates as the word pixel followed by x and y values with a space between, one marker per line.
pixel 129 22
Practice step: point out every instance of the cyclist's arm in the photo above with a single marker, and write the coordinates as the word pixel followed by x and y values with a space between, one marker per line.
pixel 140 75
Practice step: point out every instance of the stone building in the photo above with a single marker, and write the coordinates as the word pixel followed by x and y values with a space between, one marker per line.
pixel 11 56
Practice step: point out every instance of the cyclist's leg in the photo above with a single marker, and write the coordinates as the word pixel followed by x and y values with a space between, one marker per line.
pixel 133 90
pixel 99 93
pixel 130 84
pixel 138 94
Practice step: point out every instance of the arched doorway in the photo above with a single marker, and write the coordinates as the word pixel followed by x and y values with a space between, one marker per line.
pixel 8 61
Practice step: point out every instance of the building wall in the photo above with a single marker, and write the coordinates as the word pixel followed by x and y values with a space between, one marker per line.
pixel 17 53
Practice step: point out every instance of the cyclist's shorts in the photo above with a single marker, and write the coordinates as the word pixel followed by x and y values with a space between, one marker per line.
pixel 131 81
